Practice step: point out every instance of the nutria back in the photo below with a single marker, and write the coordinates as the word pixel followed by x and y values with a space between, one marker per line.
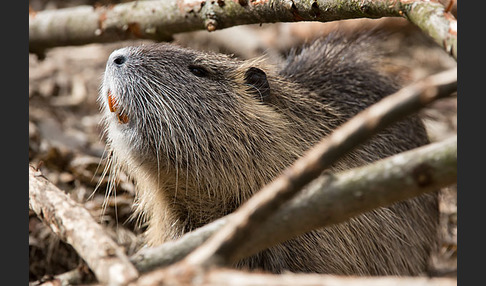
pixel 201 132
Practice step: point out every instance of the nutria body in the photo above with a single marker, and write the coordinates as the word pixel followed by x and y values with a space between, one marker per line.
pixel 201 132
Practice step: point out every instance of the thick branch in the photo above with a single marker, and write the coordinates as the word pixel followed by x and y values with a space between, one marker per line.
pixel 234 278
pixel 170 252
pixel 333 199
pixel 384 182
pixel 73 224
pixel 240 278
pixel 159 20
pixel 222 248
pixel 379 184
pixel 435 22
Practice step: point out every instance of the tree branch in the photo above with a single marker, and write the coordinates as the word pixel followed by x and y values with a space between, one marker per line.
pixel 73 224
pixel 435 22
pixel 379 184
pixel 222 248
pixel 173 251
pixel 240 278
pixel 333 199
pixel 235 278
pixel 159 20
pixel 382 183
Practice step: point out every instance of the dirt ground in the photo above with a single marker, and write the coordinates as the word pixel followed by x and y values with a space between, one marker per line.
pixel 65 136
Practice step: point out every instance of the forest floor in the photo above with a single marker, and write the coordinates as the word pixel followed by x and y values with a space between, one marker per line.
pixel 65 135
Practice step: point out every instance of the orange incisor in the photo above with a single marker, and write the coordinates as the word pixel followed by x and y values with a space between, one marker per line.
pixel 113 106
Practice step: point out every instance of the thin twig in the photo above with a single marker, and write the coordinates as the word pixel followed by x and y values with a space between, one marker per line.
pixel 73 224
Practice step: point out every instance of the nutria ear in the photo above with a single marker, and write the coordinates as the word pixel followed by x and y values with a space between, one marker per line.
pixel 257 82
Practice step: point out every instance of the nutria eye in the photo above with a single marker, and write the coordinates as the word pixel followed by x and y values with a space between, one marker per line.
pixel 198 71
pixel 120 60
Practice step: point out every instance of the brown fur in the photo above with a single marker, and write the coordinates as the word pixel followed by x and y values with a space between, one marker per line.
pixel 205 131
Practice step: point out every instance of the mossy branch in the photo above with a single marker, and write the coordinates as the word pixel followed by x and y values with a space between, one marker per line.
pixel 159 20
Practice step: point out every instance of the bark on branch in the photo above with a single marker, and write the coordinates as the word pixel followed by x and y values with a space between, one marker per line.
pixel 171 252
pixel 441 162
pixel 239 278
pixel 381 183
pixel 73 224
pixel 333 199
pixel 224 247
pixel 159 20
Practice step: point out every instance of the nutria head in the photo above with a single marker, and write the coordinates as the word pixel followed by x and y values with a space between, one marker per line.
pixel 198 125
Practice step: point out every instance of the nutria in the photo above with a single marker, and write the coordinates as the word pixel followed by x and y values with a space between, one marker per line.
pixel 201 132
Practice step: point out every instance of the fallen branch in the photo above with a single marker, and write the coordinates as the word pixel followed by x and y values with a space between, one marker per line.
pixel 332 199
pixel 73 224
pixel 383 182
pixel 159 20
pixel 79 275
pixel 240 278
pixel 173 251
pixel 234 278
pixel 379 184
pixel 223 248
